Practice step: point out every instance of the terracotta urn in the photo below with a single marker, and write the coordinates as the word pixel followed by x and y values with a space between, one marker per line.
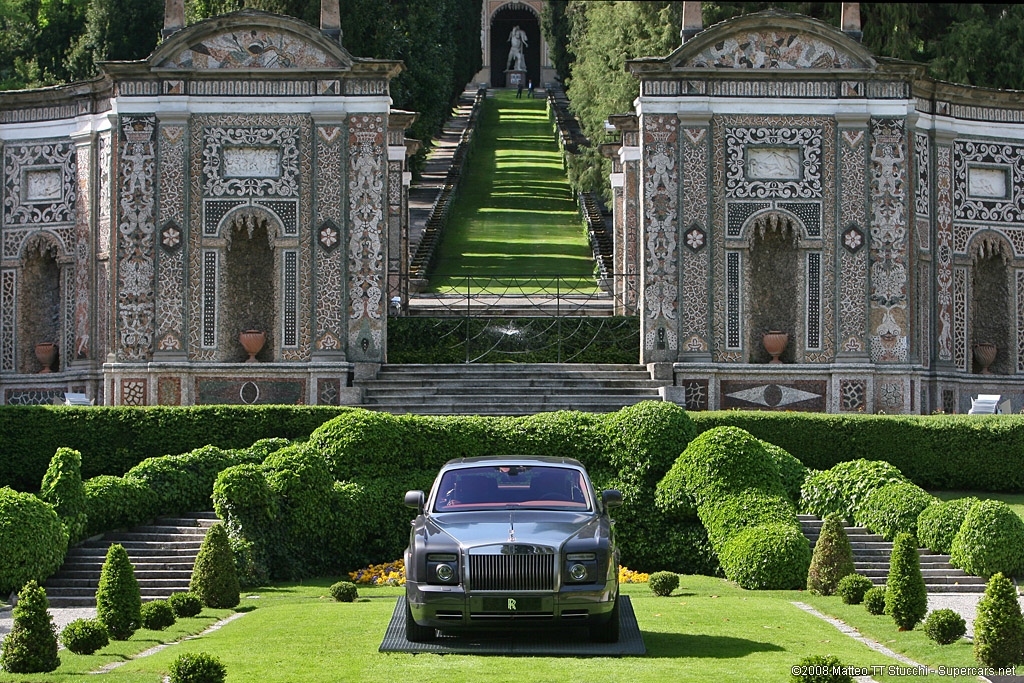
pixel 252 341
pixel 46 353
pixel 985 354
pixel 775 343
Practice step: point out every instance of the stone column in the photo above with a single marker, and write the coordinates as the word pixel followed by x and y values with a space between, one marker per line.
pixel 853 238
pixel 172 237
pixel 611 151
pixel 329 330
pixel 398 208
pixel 942 142
pixel 629 226
pixel 85 225
pixel 696 228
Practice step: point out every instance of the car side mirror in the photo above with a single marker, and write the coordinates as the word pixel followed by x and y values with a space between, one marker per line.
pixel 415 499
pixel 612 498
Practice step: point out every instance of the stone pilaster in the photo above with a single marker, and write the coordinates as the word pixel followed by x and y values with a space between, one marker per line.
pixel 943 142
pixel 85 221
pixel 694 252
pixel 853 238
pixel 329 327
pixel 172 237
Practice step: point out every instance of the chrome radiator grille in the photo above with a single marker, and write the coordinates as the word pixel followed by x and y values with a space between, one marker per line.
pixel 512 572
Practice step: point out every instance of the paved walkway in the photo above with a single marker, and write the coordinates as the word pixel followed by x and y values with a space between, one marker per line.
pixel 62 616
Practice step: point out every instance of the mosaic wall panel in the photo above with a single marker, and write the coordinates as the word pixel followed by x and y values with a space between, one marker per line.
pixel 888 315
pixel 924 307
pixel 948 401
pixel 813 297
pixel 806 395
pixel 660 297
pixel 209 305
pixel 988 201
pixel 853 260
pixel 770 49
pixel 234 159
pixel 367 249
pixel 133 392
pixel 960 295
pixel 890 396
pixel 290 272
pixel 170 313
pixel 922 186
pixel 631 188
pixel 32 397
pixel 852 395
pixel 944 251
pixel 82 263
pixel 811 141
pixel 330 260
pixel 1020 320
pixel 168 391
pixel 136 201
pixel 40 183
pixel 257 49
pixel 67 311
pixel 328 392
pixel 8 299
pixel 696 258
pixel 250 391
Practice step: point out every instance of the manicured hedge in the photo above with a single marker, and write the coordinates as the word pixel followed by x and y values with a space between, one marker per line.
pixel 844 488
pixel 976 452
pixel 113 440
pixel 937 524
pixel 894 508
pixel 990 540
pixel 32 540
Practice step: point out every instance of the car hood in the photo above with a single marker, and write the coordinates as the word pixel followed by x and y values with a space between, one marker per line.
pixel 540 527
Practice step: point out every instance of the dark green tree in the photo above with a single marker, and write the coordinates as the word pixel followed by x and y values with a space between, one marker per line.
pixel 116 30
pixel 214 579
pixel 832 558
pixel 906 597
pixel 555 21
pixel 118 601
pixel 31 646
pixel 999 627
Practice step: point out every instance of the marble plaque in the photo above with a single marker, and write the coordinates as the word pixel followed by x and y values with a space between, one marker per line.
pixel 773 163
pixel 252 162
pixel 42 185
pixel 986 182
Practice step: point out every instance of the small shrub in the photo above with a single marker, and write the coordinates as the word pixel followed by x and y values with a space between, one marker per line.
pixel 874 600
pixel 118 601
pixel 344 591
pixel 31 646
pixel 832 558
pixel 663 583
pixel 990 541
pixel 62 488
pixel 820 669
pixel 84 636
pixel 999 627
pixel 937 524
pixel 852 588
pixel 32 540
pixel 214 578
pixel 197 667
pixel 185 604
pixel 157 615
pixel 893 508
pixel 945 626
pixel 906 597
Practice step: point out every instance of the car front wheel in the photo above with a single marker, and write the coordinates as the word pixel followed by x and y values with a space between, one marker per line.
pixel 415 633
pixel 608 632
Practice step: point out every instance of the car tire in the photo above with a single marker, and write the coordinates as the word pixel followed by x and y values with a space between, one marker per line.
pixel 415 633
pixel 608 632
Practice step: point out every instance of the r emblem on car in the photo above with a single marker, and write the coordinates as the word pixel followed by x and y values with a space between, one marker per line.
pixel 512 604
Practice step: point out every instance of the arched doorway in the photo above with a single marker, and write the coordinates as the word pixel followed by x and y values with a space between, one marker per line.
pixel 249 295
pixel 504 20
pixel 39 309
pixel 992 313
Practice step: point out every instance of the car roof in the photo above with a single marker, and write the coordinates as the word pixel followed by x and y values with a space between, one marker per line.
pixel 456 463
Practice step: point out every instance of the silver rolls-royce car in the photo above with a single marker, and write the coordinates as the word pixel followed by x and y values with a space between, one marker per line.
pixel 509 542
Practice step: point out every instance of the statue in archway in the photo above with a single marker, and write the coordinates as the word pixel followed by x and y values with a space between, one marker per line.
pixel 516 58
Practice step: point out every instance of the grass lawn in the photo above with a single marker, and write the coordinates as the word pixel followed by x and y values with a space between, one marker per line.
pixel 708 630
pixel 1014 500
pixel 515 214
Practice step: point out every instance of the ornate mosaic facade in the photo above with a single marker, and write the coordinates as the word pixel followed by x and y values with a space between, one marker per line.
pixel 150 239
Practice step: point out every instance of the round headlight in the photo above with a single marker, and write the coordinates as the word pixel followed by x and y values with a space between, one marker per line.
pixel 578 572
pixel 445 572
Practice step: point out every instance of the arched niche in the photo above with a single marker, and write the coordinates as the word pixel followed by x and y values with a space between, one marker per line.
pixel 39 301
pixel 992 313
pixel 504 19
pixel 249 292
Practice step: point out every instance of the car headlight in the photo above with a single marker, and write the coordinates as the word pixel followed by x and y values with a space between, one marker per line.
pixel 581 567
pixel 444 572
pixel 443 568
pixel 578 572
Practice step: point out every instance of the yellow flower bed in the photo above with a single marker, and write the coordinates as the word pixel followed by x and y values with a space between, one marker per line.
pixel 388 574
pixel 627 575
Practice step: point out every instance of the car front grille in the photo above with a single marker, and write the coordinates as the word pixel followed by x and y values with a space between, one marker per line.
pixel 512 572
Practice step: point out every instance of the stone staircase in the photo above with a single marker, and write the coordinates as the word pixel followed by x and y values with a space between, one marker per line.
pixel 871 555
pixel 163 554
pixel 507 388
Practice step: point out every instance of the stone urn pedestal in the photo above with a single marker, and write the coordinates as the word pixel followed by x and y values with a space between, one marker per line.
pixel 985 355
pixel 252 341
pixel 775 343
pixel 46 353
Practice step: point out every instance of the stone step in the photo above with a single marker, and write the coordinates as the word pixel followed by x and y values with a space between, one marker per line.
pixel 507 385
pixel 94 575
pixel 173 528
pixel 145 551
pixel 525 408
pixel 191 534
pixel 55 583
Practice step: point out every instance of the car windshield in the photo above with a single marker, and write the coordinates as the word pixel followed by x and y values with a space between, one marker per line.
pixel 512 487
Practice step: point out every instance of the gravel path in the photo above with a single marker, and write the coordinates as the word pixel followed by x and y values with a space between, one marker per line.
pixel 62 616
pixel 964 604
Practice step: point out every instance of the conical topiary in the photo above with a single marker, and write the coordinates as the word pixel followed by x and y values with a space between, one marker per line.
pixel 906 597
pixel 118 601
pixel 214 578
pixel 832 559
pixel 31 646
pixel 999 627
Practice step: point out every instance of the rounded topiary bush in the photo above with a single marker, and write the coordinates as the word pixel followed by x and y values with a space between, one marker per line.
pixel 63 489
pixel 197 667
pixel 118 601
pixel 820 669
pixel 999 626
pixel 157 615
pixel 791 471
pixel 832 558
pixel 32 540
pixel 874 600
pixel 214 578
pixel 31 646
pixel 852 588
pixel 893 508
pixel 185 604
pixel 906 597
pixel 937 524
pixel 722 461
pixel 344 591
pixel 769 557
pixel 945 626
pixel 663 583
pixel 990 540
pixel 84 636
pixel 843 488
pixel 117 503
